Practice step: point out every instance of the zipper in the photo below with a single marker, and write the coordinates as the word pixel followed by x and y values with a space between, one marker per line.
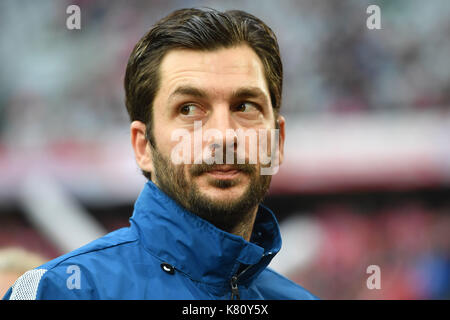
pixel 234 287
pixel 234 279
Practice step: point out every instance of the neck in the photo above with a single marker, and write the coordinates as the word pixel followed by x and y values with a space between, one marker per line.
pixel 245 227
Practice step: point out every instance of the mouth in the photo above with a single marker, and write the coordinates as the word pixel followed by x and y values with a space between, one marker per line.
pixel 224 172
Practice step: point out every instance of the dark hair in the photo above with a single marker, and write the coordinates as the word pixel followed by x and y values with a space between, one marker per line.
pixel 199 29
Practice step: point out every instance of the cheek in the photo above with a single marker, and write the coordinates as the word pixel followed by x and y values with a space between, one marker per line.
pixel 167 143
pixel 258 146
pixel 270 140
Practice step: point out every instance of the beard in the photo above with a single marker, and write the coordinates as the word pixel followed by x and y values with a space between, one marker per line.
pixel 224 214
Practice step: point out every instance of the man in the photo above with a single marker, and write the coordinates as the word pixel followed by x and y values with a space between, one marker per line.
pixel 198 230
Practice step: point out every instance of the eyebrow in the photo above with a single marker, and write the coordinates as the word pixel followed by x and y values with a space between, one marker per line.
pixel 240 93
pixel 249 92
pixel 187 91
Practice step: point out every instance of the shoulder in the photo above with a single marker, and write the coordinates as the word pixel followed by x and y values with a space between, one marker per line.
pixel 102 247
pixel 72 275
pixel 277 287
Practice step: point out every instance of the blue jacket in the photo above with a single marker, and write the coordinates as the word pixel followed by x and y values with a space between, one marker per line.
pixel 166 253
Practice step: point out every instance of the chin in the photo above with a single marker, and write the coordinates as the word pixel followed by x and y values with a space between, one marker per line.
pixel 224 194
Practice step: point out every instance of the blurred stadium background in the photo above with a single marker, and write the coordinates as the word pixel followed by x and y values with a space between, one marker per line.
pixel 367 174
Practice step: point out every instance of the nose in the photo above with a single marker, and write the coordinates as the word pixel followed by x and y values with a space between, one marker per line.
pixel 221 119
pixel 220 131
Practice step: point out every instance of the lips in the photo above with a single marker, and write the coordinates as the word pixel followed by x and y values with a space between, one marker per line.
pixel 223 172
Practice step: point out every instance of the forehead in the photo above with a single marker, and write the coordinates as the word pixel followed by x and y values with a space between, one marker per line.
pixel 216 71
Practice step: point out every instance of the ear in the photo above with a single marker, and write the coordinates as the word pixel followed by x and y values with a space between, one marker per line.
pixel 281 125
pixel 141 147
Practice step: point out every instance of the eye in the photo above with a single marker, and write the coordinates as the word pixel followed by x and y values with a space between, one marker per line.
pixel 189 110
pixel 246 107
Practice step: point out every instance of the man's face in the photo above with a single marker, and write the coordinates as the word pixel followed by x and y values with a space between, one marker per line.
pixel 221 90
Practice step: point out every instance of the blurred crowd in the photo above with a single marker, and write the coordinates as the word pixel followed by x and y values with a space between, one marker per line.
pixel 328 251
pixel 67 84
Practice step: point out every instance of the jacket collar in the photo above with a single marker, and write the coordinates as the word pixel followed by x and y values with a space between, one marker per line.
pixel 195 246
